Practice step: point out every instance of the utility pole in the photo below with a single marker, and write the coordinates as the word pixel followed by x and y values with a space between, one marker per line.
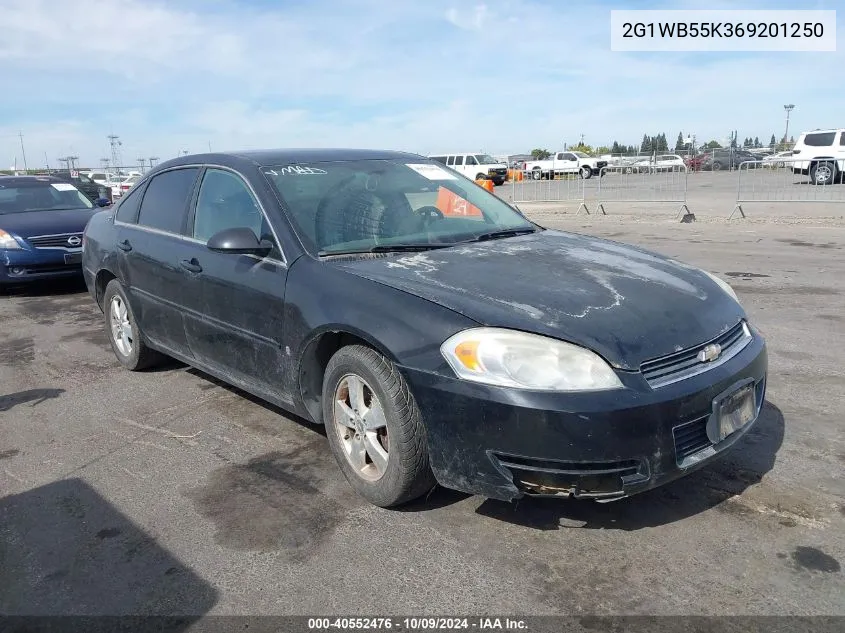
pixel 115 143
pixel 105 164
pixel 153 160
pixel 46 161
pixel 23 151
pixel 788 107
pixel 141 163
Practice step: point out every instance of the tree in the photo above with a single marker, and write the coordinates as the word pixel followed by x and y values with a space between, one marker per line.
pixel 647 146
pixel 580 147
pixel 773 142
pixel 679 144
pixel 713 145
pixel 602 149
pixel 540 154
pixel 615 149
pixel 757 142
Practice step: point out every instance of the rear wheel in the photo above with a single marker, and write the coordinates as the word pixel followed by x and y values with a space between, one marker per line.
pixel 536 174
pixel 123 331
pixel 823 173
pixel 717 165
pixel 374 427
pixel 586 172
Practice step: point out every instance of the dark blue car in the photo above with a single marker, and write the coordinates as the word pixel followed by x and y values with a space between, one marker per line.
pixel 41 224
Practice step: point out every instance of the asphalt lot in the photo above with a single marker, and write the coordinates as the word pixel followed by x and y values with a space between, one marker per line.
pixel 167 492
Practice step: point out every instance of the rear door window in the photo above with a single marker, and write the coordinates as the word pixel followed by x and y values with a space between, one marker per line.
pixel 459 160
pixel 820 139
pixel 166 199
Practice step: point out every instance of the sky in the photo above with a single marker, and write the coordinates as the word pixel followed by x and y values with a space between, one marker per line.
pixel 500 76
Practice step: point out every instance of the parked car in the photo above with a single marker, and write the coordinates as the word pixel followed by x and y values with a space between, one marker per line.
pixel 41 224
pixel 657 163
pixel 93 190
pixel 820 154
pixel 126 184
pixel 781 159
pixel 694 163
pixel 475 166
pixel 565 163
pixel 727 159
pixel 439 335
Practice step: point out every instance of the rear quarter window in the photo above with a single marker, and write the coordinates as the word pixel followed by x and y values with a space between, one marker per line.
pixel 127 209
pixel 821 139
pixel 166 199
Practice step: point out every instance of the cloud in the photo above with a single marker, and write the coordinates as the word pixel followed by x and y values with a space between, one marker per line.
pixel 502 76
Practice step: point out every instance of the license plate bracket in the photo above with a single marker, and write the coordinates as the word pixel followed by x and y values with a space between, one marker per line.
pixel 733 410
pixel 73 258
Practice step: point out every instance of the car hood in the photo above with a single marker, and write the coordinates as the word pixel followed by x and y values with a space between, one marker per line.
pixel 46 222
pixel 627 304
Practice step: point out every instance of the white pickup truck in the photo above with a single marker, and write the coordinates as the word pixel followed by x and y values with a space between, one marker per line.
pixel 565 163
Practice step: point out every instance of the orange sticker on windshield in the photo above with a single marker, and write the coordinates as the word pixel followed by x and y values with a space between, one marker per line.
pixel 452 205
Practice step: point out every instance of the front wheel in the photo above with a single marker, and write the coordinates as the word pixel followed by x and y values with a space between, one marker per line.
pixel 374 428
pixel 536 174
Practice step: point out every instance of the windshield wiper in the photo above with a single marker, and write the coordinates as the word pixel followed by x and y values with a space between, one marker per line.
pixel 387 248
pixel 495 235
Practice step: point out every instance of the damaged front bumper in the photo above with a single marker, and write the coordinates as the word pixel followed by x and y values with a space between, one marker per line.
pixel 508 443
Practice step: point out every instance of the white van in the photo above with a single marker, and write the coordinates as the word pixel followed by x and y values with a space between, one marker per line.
pixel 820 154
pixel 475 166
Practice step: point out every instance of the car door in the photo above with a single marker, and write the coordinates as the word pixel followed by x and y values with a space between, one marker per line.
pixel 839 149
pixel 234 323
pixel 568 163
pixel 150 247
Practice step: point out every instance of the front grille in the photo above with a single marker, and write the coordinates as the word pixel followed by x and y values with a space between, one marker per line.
pixel 55 241
pixel 576 479
pixel 684 364
pixel 691 438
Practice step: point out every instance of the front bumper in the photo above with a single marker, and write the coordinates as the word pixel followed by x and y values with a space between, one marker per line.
pixel 25 265
pixel 507 443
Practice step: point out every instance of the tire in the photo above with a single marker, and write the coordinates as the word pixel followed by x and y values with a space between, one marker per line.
pixel 480 176
pixel 586 172
pixel 823 173
pixel 130 350
pixel 537 174
pixel 407 473
pixel 716 165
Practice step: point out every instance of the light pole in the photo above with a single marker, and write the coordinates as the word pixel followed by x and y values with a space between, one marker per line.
pixel 788 107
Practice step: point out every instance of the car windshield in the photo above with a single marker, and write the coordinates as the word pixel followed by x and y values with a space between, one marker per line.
pixel 486 159
pixel 361 205
pixel 581 154
pixel 41 196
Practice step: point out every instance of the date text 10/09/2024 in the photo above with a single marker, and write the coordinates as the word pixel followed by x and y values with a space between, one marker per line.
pixel 417 624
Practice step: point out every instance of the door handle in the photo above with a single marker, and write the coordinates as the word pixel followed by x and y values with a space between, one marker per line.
pixel 124 245
pixel 191 265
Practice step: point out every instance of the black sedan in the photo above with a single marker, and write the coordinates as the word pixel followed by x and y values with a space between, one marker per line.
pixel 439 335
pixel 41 223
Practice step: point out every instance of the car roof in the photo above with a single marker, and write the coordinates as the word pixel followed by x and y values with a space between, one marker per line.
pixel 831 129
pixel 12 181
pixel 286 156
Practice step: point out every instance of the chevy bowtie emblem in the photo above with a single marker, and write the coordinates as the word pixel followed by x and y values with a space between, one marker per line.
pixel 710 353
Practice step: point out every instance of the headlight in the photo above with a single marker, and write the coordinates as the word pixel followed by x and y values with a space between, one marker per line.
pixel 724 285
pixel 7 241
pixel 508 358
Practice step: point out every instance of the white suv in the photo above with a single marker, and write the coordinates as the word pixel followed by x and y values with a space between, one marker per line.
pixel 820 154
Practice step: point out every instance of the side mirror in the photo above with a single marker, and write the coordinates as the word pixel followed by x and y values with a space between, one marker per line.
pixel 103 202
pixel 239 240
